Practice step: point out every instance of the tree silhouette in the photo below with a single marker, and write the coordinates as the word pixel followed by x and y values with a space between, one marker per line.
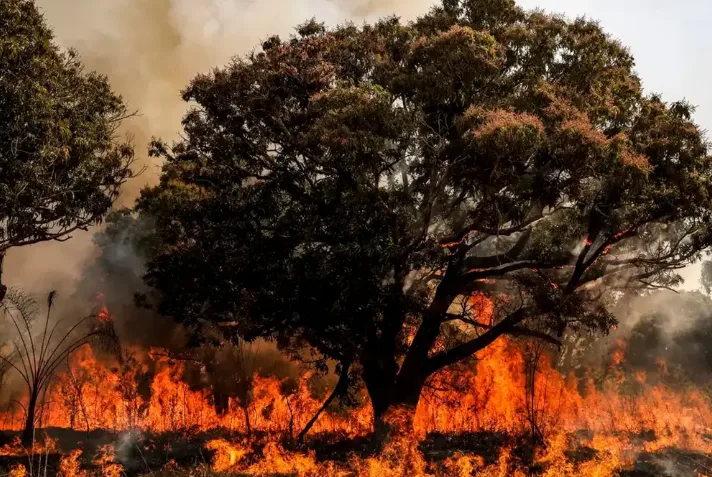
pixel 399 196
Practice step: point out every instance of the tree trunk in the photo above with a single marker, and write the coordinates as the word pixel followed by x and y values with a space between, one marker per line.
pixel 28 433
pixel 3 288
pixel 394 412
pixel 248 425
pixel 221 402
pixel 397 421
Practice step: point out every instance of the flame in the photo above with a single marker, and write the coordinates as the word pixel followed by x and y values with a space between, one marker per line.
pixel 227 455
pixel 18 470
pixel 623 232
pixel 69 465
pixel 490 395
pixel 103 315
pixel 105 460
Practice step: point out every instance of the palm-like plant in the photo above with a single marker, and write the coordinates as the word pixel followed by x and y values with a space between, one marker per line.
pixel 40 347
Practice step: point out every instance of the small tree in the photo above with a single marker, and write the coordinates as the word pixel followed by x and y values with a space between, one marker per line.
pixel 351 188
pixel 37 352
pixel 61 165
pixel 238 361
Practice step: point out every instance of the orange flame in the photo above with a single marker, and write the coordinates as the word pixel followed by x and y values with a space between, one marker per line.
pixel 490 395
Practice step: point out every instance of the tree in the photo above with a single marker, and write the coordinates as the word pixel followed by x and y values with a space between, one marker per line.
pixel 399 195
pixel 35 354
pixel 61 164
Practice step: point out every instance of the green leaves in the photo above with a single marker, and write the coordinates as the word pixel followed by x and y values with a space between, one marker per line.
pixel 60 164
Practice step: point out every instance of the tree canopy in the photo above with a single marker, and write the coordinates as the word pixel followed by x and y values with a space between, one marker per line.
pixel 398 196
pixel 61 164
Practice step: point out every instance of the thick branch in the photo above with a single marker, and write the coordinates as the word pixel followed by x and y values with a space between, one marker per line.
pixel 466 350
pixel 519 331
pixel 514 331
pixel 534 216
pixel 477 274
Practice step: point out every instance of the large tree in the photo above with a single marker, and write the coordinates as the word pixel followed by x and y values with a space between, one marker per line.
pixel 61 165
pixel 399 196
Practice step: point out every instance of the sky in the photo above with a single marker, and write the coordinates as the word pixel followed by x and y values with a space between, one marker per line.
pixel 150 49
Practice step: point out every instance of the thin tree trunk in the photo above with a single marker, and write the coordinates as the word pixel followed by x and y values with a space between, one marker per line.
pixel 248 425
pixel 28 433
pixel 3 288
pixel 341 386
pixel 78 390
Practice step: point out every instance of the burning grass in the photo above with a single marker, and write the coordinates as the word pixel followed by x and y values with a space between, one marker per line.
pixel 473 421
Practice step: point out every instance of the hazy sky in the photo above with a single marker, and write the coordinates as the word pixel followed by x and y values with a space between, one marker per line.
pixel 151 48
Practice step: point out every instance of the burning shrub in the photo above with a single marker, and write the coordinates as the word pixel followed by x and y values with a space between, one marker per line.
pixel 105 460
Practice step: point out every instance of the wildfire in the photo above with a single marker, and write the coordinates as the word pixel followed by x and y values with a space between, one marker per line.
pixel 103 315
pixel 227 455
pixel 490 396
pixel 69 465
pixel 105 460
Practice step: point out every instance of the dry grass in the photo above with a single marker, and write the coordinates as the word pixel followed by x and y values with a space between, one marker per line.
pixel 198 471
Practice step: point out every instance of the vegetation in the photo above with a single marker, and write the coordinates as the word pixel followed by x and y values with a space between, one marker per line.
pixel 398 196
pixel 395 196
pixel 36 356
pixel 61 164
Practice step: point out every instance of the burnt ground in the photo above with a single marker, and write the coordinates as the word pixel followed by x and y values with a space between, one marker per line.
pixel 146 453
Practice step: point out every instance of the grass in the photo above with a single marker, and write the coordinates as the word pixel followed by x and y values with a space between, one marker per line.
pixel 199 471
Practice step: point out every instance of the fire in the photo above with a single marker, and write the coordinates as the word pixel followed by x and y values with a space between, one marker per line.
pixel 492 395
pixel 280 462
pixel 105 460
pixel 69 465
pixel 103 315
pixel 18 470
pixel 227 455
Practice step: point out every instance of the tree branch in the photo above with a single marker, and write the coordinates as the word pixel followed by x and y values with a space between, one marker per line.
pixel 466 350
pixel 514 331
pixel 500 259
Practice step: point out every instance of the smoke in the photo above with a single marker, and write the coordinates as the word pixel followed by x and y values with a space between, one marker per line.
pixel 150 50
pixel 666 334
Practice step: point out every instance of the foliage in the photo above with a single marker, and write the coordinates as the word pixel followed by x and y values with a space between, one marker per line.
pixel 61 165
pixel 401 195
